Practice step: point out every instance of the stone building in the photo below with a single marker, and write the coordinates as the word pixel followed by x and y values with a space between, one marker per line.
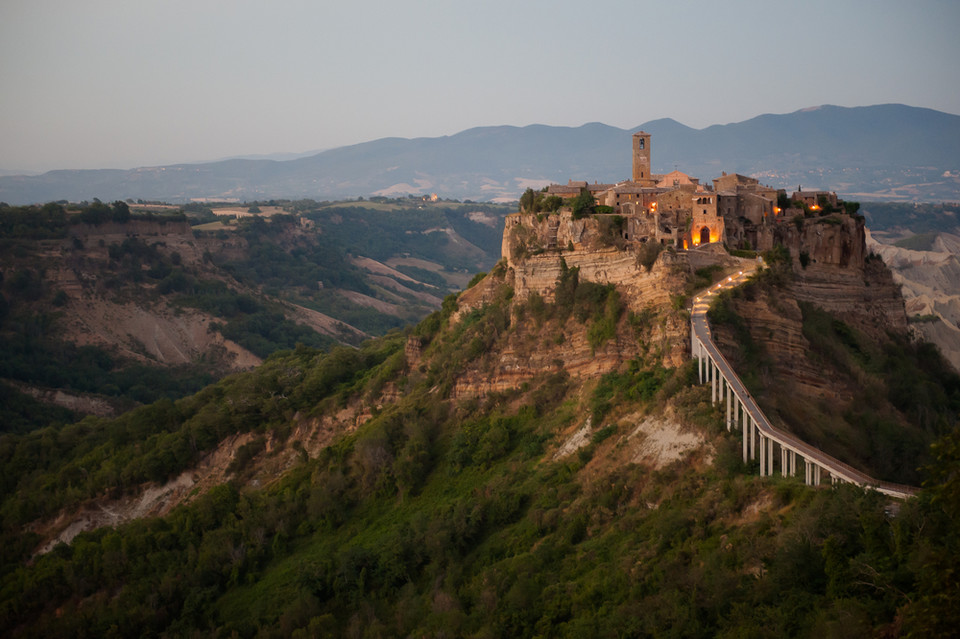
pixel 814 199
pixel 677 209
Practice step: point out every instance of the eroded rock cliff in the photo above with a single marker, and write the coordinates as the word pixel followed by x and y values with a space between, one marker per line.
pixel 537 253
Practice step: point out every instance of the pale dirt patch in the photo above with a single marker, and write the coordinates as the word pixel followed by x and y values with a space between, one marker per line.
pixel 158 333
pixel 372 302
pixel 157 500
pixel 378 268
pixel 752 511
pixel 390 283
pixel 658 440
pixel 323 323
pixel 85 403
pixel 459 280
pixel 154 500
pixel 482 217
pixel 576 441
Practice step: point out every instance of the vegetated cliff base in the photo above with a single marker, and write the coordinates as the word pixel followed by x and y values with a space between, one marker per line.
pixel 820 337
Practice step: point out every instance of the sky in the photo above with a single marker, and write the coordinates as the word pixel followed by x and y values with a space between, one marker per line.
pixel 128 83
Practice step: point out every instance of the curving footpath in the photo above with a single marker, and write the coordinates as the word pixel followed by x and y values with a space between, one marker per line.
pixel 759 436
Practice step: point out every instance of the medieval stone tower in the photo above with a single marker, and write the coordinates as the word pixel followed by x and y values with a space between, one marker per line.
pixel 641 159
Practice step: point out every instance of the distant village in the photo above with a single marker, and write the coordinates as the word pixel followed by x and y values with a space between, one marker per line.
pixel 677 209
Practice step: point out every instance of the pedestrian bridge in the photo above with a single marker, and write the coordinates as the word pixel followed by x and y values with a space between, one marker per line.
pixel 777 449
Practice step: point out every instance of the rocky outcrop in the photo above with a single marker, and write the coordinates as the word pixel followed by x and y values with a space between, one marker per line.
pixel 834 270
pixel 594 246
pixel 530 351
pixel 536 250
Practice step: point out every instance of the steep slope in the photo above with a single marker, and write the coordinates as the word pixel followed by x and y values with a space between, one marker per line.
pixel 820 338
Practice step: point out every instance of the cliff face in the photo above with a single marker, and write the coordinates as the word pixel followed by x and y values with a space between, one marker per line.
pixel 776 328
pixel 535 250
pixel 833 270
pixel 536 253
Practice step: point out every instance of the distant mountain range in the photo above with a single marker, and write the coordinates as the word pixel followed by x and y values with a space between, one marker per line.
pixel 882 152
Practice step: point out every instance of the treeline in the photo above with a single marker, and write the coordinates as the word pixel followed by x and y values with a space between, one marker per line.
pixel 52 220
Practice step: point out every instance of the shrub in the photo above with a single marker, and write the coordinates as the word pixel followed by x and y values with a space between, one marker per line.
pixel 583 204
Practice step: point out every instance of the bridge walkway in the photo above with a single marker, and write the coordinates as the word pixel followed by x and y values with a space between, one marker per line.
pixel 760 437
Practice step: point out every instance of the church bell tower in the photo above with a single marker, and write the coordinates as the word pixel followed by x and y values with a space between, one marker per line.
pixel 641 159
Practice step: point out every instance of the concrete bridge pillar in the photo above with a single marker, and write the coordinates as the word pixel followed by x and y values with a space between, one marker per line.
pixel 713 382
pixel 769 457
pixel 729 407
pixel 753 438
pixel 699 356
pixel 784 468
pixel 763 456
pixel 744 434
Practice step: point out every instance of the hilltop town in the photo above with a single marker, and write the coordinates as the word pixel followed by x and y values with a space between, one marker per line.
pixel 678 210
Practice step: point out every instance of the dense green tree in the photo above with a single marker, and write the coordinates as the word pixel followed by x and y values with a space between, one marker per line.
pixel 583 204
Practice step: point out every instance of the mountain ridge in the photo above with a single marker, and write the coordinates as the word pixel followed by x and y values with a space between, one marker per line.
pixel 881 152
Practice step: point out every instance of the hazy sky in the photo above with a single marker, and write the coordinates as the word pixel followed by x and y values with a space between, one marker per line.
pixel 125 83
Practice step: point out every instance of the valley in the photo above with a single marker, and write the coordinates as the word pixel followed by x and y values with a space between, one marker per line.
pixel 150 293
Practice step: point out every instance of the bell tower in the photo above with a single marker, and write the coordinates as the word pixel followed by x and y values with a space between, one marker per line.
pixel 641 158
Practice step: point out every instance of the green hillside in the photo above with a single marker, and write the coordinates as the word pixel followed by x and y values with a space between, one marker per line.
pixel 439 516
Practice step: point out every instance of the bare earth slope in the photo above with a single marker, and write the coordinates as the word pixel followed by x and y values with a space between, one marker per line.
pixel 930 281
